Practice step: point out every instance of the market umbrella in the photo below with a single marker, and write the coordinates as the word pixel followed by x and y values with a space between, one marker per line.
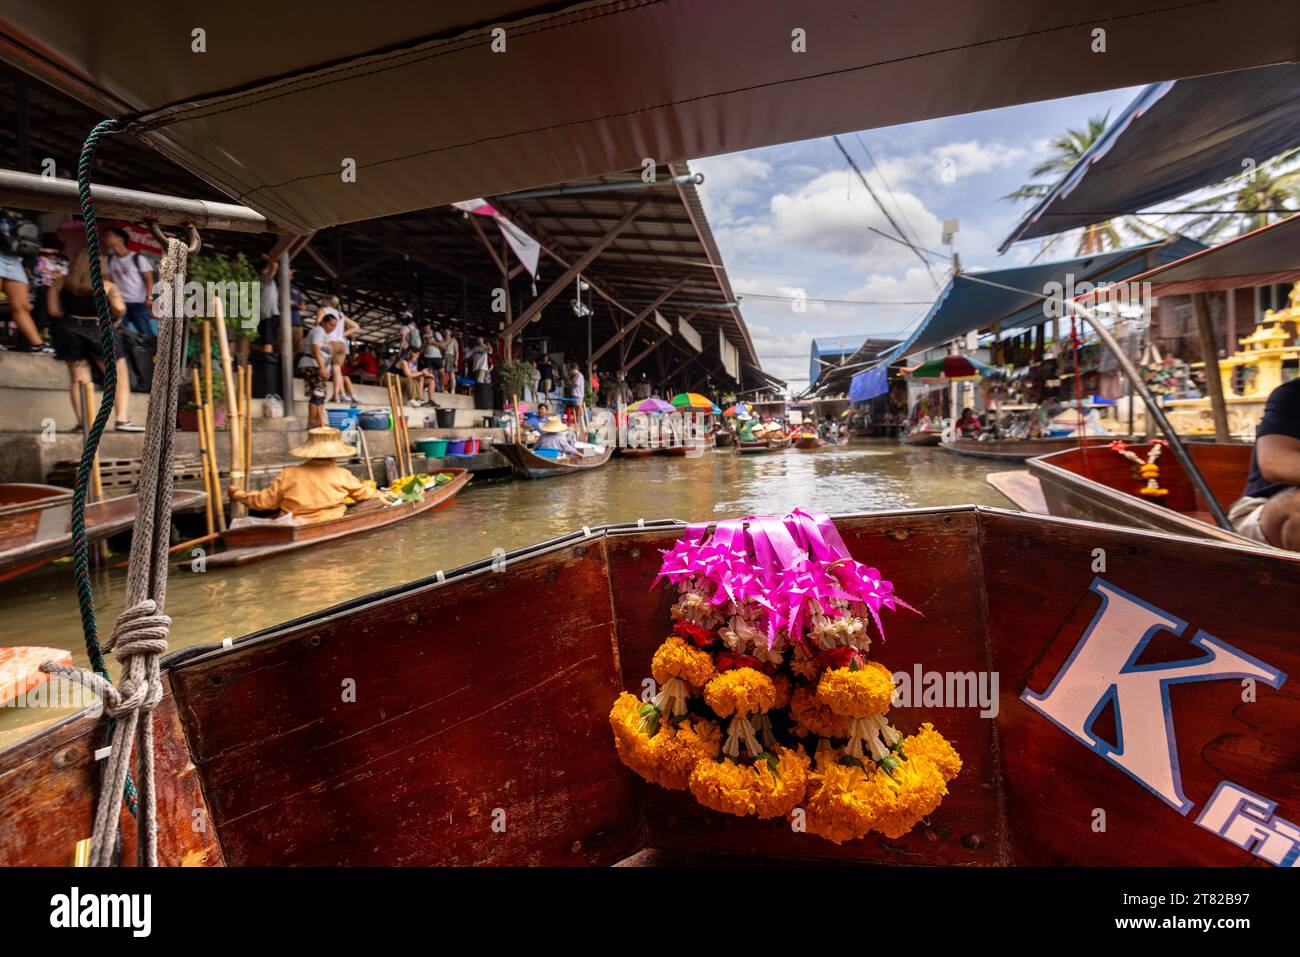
pixel 952 369
pixel 691 400
pixel 738 409
pixel 714 410
pixel 652 405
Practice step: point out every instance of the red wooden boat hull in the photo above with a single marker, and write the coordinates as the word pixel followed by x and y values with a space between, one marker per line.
pixel 36 525
pixel 255 734
pixel 1100 485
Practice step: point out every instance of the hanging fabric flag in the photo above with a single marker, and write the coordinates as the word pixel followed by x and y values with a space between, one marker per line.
pixel 527 249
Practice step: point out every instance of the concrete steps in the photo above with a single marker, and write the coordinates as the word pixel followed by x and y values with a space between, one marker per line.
pixel 38 428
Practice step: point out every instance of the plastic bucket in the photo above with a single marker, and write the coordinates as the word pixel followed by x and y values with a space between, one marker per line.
pixel 376 421
pixel 456 447
pixel 343 419
pixel 446 418
pixel 432 448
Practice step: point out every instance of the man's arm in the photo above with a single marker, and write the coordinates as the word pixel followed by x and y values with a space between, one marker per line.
pixel 1279 458
pixel 320 359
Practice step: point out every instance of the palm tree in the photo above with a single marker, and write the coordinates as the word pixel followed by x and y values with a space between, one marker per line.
pixel 1067 149
pixel 1254 198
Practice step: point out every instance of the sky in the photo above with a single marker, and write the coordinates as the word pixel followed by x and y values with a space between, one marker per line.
pixel 793 220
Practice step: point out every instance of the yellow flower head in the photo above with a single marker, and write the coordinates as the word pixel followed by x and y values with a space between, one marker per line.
pixel 846 801
pixel 929 743
pixel 810 715
pixel 669 755
pixel 770 787
pixel 676 659
pixel 740 691
pixel 857 694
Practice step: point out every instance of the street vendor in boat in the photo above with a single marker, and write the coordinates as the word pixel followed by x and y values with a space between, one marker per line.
pixel 745 429
pixel 555 435
pixel 1269 508
pixel 315 491
pixel 968 425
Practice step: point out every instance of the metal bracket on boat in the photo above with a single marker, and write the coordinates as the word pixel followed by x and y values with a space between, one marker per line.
pixel 102 753
pixel 440 576
pixel 586 532
pixel 195 242
pixel 640 523
pixel 227 644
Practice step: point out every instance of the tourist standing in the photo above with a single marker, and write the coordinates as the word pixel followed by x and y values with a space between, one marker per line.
pixel 49 265
pixel 411 338
pixel 546 370
pixel 578 392
pixel 431 358
pixel 74 330
pixel 480 362
pixel 314 365
pixel 132 273
pixel 451 357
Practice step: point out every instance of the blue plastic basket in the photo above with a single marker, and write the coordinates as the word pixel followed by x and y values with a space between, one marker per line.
pixel 547 453
pixel 343 419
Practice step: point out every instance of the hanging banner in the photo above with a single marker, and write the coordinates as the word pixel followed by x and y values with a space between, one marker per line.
pixel 688 333
pixel 527 249
pixel 663 323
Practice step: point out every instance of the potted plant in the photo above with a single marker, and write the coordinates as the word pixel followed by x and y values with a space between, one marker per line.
pixel 513 378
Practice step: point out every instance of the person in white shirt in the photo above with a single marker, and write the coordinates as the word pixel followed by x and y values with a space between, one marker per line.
pixel 338 338
pixel 132 273
pixel 451 359
pixel 578 390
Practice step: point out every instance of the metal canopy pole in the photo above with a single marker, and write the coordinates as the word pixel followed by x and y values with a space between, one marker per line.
pixel 50 195
pixel 1135 379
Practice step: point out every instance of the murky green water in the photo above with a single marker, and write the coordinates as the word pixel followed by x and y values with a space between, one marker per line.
pixel 41 608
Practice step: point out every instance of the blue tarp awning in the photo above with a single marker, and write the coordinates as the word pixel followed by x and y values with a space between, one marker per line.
pixel 966 304
pixel 867 385
pixel 1174 138
pixel 831 346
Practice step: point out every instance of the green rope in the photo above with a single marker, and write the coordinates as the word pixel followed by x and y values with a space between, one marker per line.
pixel 80 547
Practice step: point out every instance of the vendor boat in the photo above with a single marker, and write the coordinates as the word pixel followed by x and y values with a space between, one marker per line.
pixel 1018 450
pixel 36 523
pixel 693 449
pixel 255 541
pixel 529 464
pixel 806 441
pixel 921 438
pixel 245 734
pixel 760 446
pixel 630 453
pixel 1099 485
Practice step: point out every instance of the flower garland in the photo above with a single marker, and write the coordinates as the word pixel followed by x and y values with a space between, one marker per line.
pixel 1147 470
pixel 772 632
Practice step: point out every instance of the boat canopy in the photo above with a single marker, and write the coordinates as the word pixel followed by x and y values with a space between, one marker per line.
pixel 1012 297
pixel 1267 256
pixel 426 104
pixel 1175 137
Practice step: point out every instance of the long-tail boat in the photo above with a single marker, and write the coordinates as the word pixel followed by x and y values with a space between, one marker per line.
pixel 631 453
pixel 250 543
pixel 36 523
pixel 808 442
pixel 528 464
pixel 921 438
pixel 761 446
pixel 461 726
pixel 1017 450
pixel 1097 484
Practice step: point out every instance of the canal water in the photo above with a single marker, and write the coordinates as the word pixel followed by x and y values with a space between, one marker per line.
pixel 862 476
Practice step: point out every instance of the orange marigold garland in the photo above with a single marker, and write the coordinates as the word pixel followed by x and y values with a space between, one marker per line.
pixel 758 597
pixel 1147 470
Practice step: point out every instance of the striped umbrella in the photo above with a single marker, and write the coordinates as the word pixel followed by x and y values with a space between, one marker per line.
pixel 652 405
pixel 952 369
pixel 691 400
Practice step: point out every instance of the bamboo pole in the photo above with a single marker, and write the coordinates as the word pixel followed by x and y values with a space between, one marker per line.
pixel 201 416
pixel 88 410
pixel 218 499
pixel 400 434
pixel 233 407
pixel 365 453
pixel 1213 381
pixel 248 421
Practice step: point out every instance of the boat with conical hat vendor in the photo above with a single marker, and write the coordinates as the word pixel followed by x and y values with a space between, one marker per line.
pixel 316 491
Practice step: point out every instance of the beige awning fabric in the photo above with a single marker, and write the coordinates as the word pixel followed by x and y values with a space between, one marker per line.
pixel 416 96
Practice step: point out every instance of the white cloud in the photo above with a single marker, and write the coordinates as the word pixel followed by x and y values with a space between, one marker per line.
pixel 731 182
pixel 972 157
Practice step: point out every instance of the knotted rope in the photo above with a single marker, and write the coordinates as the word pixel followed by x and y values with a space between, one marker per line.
pixel 139 637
